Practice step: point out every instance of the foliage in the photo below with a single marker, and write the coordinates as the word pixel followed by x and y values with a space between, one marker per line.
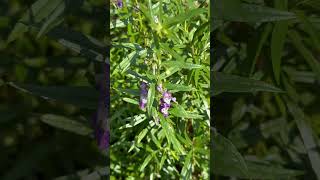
pixel 266 63
pixel 160 42
pixel 47 89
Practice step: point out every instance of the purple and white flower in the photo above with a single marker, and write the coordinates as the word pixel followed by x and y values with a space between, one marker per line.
pixel 143 95
pixel 165 103
pixel 120 3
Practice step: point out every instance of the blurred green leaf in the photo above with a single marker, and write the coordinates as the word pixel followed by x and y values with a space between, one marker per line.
pixel 146 161
pixel 236 84
pixel 183 17
pixel 307 55
pixel 226 160
pixel 279 34
pixel 177 87
pixel 81 96
pixel 66 124
pixel 307 136
pixel 142 134
pixel 234 10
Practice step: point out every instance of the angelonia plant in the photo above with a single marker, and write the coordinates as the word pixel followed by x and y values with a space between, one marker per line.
pixel 160 67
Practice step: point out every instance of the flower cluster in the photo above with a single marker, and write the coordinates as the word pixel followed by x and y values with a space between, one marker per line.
pixel 165 101
pixel 143 95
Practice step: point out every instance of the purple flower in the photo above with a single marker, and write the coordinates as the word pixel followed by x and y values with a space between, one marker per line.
pixel 165 103
pixel 99 119
pixel 102 136
pixel 143 95
pixel 143 102
pixel 164 107
pixel 167 97
pixel 120 3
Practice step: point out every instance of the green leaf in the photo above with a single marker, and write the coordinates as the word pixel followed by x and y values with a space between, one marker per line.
pixel 307 136
pixel 151 95
pixel 267 171
pixel 175 66
pixel 64 123
pixel 132 101
pixel 40 10
pixel 177 87
pixel 146 161
pixel 179 111
pixel 226 160
pixel 277 42
pixel 308 56
pixel 125 64
pixel 183 17
pixel 80 43
pixel 182 65
pixel 163 158
pixel 254 54
pixel 310 29
pixel 170 134
pixel 154 139
pixel 142 134
pixel 234 10
pixel 77 96
pixel 135 120
pixel 236 84
pixel 186 169
pixel 51 19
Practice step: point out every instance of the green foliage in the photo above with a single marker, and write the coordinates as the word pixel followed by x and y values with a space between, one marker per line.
pixel 47 89
pixel 265 70
pixel 160 42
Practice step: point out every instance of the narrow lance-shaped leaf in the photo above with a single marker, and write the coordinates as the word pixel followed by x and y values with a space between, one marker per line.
pixel 146 162
pixel 142 134
pixel 40 10
pixel 66 124
pixel 307 136
pixel 151 96
pixel 183 17
pixel 236 84
pixel 74 95
pixel 234 10
pixel 310 29
pixel 308 56
pixel 277 41
pixel 255 54
pixel 226 160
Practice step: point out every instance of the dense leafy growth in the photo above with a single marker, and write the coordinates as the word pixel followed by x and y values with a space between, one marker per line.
pixel 47 88
pixel 265 68
pixel 161 43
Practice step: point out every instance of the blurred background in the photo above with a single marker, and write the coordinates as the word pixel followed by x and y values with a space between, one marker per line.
pixel 265 76
pixel 47 138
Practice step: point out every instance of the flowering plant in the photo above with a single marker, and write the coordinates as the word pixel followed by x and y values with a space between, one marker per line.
pixel 160 73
